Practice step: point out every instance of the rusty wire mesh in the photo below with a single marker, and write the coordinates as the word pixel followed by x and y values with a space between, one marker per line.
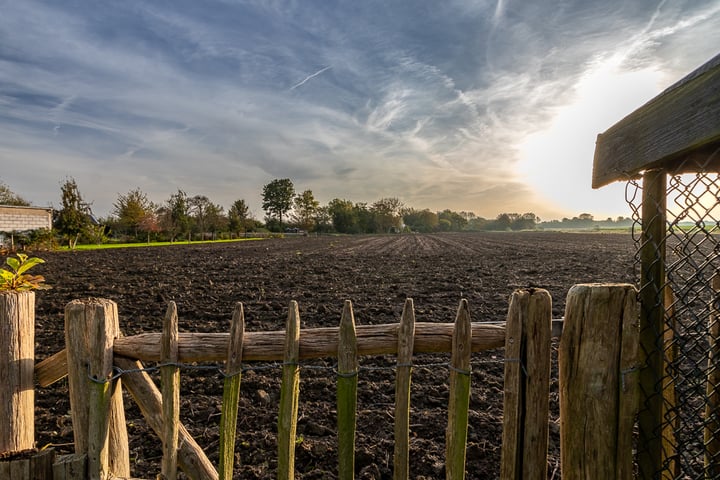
pixel 687 390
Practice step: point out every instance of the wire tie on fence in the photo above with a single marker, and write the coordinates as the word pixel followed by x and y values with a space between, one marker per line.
pixel 522 365
pixel 625 372
pixel 409 364
pixel 346 374
pixel 459 370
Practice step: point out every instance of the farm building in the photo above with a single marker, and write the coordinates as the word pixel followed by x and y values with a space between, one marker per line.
pixel 22 219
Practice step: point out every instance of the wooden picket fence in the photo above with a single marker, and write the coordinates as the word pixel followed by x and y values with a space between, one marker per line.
pixel 598 356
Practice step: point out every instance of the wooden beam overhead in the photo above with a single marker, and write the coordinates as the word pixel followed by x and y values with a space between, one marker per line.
pixel 668 131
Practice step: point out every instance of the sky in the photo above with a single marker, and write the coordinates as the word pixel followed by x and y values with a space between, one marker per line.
pixel 472 105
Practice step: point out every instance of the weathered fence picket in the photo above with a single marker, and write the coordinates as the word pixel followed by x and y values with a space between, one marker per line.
pixel 170 384
pixel 289 395
pixel 598 360
pixel 406 337
pixel 527 385
pixel 90 327
pixel 458 405
pixel 347 382
pixel 231 394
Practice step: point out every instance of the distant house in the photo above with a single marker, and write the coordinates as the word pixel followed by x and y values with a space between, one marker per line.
pixel 22 219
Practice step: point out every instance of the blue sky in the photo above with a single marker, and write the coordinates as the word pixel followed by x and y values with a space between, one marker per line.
pixel 482 106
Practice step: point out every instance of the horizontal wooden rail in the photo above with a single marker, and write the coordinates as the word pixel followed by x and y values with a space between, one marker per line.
pixel 268 346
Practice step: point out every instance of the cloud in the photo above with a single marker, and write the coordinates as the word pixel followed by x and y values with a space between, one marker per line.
pixel 428 102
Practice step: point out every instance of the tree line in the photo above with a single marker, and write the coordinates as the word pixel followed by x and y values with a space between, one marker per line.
pixel 134 217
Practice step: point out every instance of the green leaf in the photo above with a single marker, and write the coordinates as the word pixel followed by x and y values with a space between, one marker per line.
pixel 13 262
pixel 6 275
pixel 29 264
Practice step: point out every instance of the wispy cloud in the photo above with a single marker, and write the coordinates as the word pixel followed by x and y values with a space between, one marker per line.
pixel 310 77
pixel 428 102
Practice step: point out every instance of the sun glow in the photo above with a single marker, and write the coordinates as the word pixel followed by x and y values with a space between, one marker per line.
pixel 557 160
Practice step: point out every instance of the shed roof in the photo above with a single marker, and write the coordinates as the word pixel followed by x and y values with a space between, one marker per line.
pixel 682 122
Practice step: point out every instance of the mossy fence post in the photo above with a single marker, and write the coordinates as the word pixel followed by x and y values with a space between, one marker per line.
pixel 599 362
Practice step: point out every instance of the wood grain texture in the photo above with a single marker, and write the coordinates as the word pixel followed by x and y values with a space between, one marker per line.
pixel 191 457
pixel 406 337
pixel 170 389
pixel 459 403
pixel 17 354
pixel 527 385
pixel 683 119
pixel 231 394
pixel 591 381
pixel 289 396
pixel 347 382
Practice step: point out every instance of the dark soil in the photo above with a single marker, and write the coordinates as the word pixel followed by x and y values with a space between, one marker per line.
pixel 377 273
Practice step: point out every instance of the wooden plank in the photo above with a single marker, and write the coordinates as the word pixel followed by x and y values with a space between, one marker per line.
pixel 170 385
pixel 91 325
pixel 191 458
pixel 289 395
pixel 712 390
pixel 513 389
pixel 629 391
pixel 347 382
pixel 231 394
pixel 459 403
pixel 70 467
pixel 527 385
pixel 406 337
pixel 591 377
pixel 17 351
pixel 536 409
pixel 682 119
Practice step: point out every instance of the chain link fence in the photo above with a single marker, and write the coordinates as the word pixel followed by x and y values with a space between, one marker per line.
pixel 677 235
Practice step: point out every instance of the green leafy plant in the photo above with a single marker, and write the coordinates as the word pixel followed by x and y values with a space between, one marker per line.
pixel 16 279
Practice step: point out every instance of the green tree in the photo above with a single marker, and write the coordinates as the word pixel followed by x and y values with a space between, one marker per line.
pixel 199 207
pixel 8 197
pixel 306 209
pixel 175 215
pixel 386 214
pixel 423 221
pixel 343 216
pixel 132 209
pixel 75 215
pixel 238 216
pixel 277 198
pixel 454 221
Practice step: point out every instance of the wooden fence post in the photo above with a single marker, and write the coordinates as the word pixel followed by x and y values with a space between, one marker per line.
pixel 406 342
pixel 289 395
pixel 712 389
pixel 598 362
pixel 347 382
pixel 527 386
pixel 17 360
pixel 170 387
pixel 91 325
pixel 231 394
pixel 459 402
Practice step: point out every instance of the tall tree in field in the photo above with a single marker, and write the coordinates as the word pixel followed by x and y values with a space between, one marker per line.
pixel 238 216
pixel 306 209
pixel 132 209
pixel 8 197
pixel 75 215
pixel 277 198
pixel 343 216
pixel 387 214
pixel 199 205
pixel 175 215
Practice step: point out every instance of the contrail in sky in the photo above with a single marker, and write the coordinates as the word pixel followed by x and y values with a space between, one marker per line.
pixel 309 77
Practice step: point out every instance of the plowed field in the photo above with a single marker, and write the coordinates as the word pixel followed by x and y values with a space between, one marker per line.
pixel 377 273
